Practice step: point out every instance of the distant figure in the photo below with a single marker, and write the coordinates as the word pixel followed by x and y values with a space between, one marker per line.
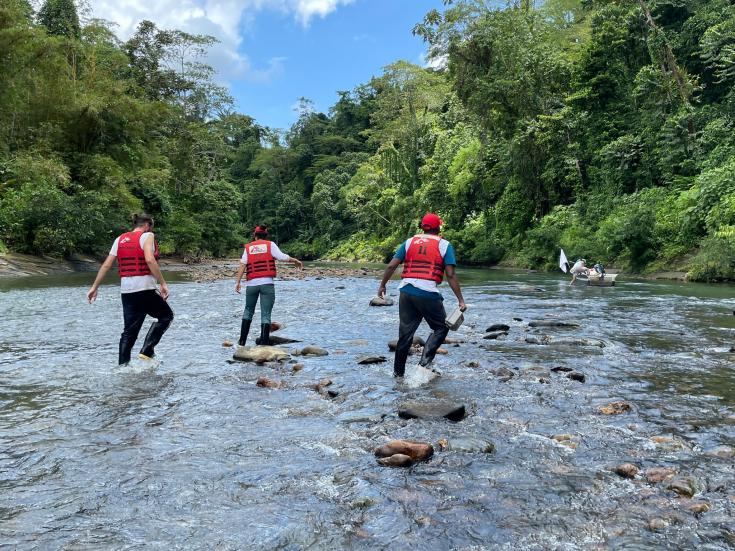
pixel 258 262
pixel 579 268
pixel 137 253
pixel 426 257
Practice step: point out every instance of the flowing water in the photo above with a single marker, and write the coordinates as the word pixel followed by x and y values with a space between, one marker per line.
pixel 193 455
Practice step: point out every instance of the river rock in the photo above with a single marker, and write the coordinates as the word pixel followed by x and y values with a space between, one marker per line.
pixel 468 444
pixel 495 335
pixel 321 385
pixel 668 443
pixel 377 301
pixel 626 470
pixel 442 351
pixel 657 524
pixel 260 354
pixel 473 364
pixel 498 327
pixel 432 411
pixel 297 367
pixel 684 486
pixel 417 341
pixel 228 344
pixel 699 507
pixel 615 408
pixel 561 369
pixel 396 460
pixel 312 351
pixel 418 451
pixel 538 339
pixel 503 373
pixel 452 340
pixel 553 323
pixel 275 326
pixel 358 342
pixel 366 360
pixel 265 382
pixel 725 452
pixel 657 475
pixel 576 376
pixel 276 340
pixel 517 319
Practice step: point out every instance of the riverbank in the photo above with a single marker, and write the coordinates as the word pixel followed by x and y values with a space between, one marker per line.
pixel 22 265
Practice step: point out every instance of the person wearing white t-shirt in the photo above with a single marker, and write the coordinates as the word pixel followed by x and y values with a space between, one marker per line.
pixel 136 253
pixel 258 263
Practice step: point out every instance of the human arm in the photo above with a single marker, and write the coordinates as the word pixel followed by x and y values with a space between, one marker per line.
pixel 389 271
pixel 106 265
pixel 150 259
pixel 453 282
pixel 240 272
pixel 278 254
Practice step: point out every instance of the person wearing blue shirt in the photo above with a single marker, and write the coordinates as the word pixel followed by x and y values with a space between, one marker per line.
pixel 426 258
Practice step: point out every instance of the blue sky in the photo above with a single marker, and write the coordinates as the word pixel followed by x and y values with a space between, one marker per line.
pixel 344 49
pixel 272 52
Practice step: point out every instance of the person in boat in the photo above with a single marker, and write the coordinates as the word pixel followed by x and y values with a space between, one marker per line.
pixel 579 269
pixel 426 258
pixel 258 263
pixel 136 253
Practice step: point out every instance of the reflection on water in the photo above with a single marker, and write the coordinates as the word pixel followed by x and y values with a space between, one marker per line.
pixel 191 454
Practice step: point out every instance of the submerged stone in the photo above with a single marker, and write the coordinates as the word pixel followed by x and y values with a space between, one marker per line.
pixel 503 373
pixel 396 460
pixel 275 340
pixel 615 408
pixel 228 344
pixel 377 301
pixel 725 452
pixel 495 335
pixel 656 475
pixel 312 351
pixel 417 341
pixel 265 382
pixel 576 376
pixel 553 323
pixel 468 444
pixel 432 411
pixel 498 327
pixel 684 486
pixel 626 470
pixel 367 360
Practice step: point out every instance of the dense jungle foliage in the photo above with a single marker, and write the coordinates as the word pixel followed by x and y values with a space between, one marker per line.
pixel 605 128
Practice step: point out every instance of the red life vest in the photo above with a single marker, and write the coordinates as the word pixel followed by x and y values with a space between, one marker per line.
pixel 424 259
pixel 130 255
pixel 260 260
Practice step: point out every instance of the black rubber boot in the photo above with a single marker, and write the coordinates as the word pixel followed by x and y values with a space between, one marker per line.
pixel 126 346
pixel 435 340
pixel 244 330
pixel 154 336
pixel 265 330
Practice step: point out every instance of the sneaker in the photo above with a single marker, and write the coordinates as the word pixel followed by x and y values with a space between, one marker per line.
pixel 144 357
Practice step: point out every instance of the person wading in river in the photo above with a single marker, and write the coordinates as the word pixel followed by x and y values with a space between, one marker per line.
pixel 259 263
pixel 426 258
pixel 137 253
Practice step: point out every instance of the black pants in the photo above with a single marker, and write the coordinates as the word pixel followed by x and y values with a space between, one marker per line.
pixel 136 306
pixel 411 310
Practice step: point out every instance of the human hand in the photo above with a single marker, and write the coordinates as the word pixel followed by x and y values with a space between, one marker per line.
pixel 299 265
pixel 381 291
pixel 164 291
pixel 462 306
pixel 92 294
pixel 237 287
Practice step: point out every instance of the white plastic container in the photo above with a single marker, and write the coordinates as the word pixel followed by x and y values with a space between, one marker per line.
pixel 455 319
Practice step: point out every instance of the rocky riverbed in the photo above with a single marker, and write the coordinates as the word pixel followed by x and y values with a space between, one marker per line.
pixel 594 419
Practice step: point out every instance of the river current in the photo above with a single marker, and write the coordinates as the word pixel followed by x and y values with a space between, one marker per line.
pixel 193 455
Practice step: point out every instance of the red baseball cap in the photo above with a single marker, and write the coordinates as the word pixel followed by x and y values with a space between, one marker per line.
pixel 258 229
pixel 431 221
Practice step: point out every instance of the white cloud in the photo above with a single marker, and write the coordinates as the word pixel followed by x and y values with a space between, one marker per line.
pixel 438 63
pixel 223 19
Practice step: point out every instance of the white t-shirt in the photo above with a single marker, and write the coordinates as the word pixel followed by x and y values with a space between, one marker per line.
pixel 276 253
pixel 424 284
pixel 578 268
pixel 133 284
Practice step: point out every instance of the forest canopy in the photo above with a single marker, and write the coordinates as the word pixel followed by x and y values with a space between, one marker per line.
pixel 605 128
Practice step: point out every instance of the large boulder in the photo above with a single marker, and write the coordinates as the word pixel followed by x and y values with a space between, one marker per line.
pixel 377 301
pixel 260 354
pixel 432 411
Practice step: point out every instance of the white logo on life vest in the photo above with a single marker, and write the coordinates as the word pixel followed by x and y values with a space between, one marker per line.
pixel 126 240
pixel 258 249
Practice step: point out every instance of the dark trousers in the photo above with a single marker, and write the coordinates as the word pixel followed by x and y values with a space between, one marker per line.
pixel 136 306
pixel 411 310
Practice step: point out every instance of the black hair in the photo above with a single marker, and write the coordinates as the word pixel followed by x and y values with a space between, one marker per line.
pixel 142 219
pixel 261 234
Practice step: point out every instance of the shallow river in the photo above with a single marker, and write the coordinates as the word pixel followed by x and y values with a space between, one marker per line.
pixel 192 455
